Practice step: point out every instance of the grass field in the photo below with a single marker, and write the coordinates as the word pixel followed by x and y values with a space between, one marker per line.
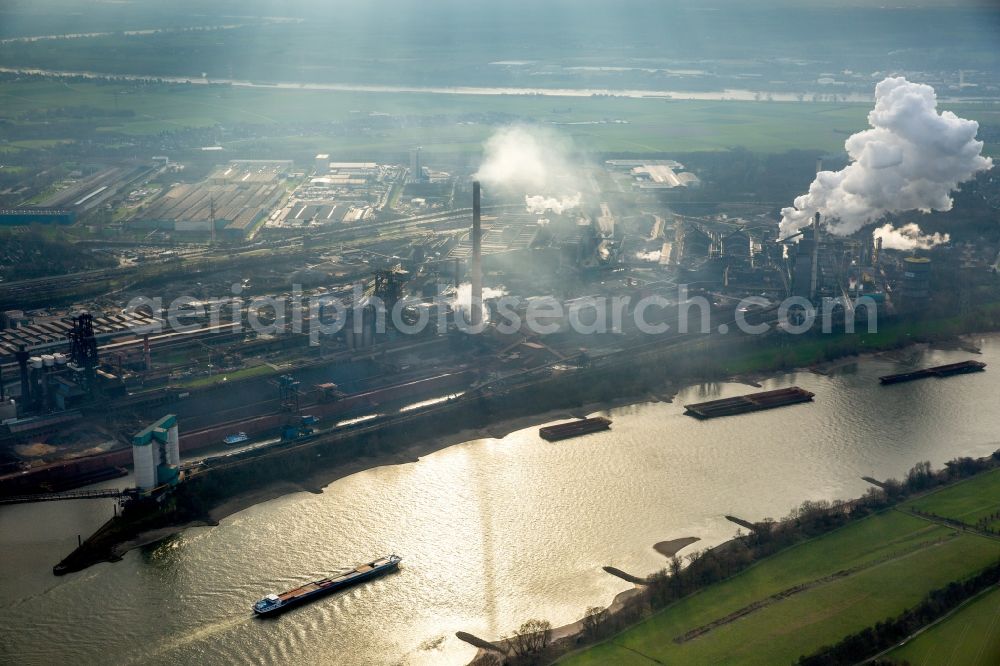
pixel 865 572
pixel 452 123
pixel 212 380
pixel 651 125
pixel 970 637
pixel 967 501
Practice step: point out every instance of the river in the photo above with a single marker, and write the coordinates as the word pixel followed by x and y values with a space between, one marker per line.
pixel 493 531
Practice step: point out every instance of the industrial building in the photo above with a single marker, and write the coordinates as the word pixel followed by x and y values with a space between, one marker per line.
pixel 156 454
pixel 339 192
pixel 232 201
pixel 655 174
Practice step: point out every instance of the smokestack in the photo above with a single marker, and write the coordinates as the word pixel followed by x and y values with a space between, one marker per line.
pixel 477 258
pixel 22 363
pixel 146 356
pixel 815 259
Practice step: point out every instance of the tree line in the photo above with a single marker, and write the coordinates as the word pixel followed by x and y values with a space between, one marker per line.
pixel 685 576
pixel 885 634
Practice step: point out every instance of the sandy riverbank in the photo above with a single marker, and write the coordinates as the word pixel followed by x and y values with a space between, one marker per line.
pixel 572 631
pixel 318 481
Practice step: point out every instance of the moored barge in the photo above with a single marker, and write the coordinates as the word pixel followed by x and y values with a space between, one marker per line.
pixel 576 428
pixel 752 402
pixel 949 370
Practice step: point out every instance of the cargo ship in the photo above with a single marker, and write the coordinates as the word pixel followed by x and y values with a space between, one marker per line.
pixel 273 604
pixel 960 368
pixel 574 428
pixel 752 402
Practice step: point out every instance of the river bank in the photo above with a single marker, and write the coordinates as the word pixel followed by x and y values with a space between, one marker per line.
pixel 472 417
pixel 459 515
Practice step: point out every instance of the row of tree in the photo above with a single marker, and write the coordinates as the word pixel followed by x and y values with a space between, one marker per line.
pixel 884 635
pixel 685 576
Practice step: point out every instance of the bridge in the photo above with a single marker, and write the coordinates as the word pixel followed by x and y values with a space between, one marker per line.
pixel 114 493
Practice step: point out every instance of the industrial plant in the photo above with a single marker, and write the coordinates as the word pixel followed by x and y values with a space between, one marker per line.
pixel 239 376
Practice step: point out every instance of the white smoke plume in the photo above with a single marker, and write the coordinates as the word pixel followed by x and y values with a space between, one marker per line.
pixel 539 204
pixel 463 297
pixel 912 158
pixel 653 255
pixel 535 162
pixel 908 237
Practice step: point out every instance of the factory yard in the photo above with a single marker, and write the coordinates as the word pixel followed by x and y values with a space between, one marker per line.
pixel 813 594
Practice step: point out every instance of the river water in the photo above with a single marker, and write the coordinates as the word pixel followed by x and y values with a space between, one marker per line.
pixel 493 531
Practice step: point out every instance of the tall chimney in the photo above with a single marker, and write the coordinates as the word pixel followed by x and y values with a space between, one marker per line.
pixel 22 363
pixel 815 259
pixel 477 258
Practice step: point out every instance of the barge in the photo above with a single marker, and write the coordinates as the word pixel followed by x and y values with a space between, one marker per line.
pixel 576 428
pixel 274 604
pixel 949 370
pixel 753 402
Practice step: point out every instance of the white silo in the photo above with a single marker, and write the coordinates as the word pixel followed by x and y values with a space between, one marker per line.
pixel 144 458
pixel 173 448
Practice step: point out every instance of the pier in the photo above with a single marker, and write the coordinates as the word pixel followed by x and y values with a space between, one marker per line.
pixel 752 402
pixel 69 495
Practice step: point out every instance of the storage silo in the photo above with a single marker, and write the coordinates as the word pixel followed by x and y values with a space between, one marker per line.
pixel 916 284
pixel 144 460
pixel 156 454
pixel 173 448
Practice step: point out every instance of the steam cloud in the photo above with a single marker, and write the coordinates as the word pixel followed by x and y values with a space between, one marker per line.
pixel 653 255
pixel 912 158
pixel 535 162
pixel 908 237
pixel 539 204
pixel 463 297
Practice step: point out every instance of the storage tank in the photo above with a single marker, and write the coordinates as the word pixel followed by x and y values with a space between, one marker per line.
pixel 48 360
pixel 916 284
pixel 61 359
pixel 144 460
pixel 35 362
pixel 173 447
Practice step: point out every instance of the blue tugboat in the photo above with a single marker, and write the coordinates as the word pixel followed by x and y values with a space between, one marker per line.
pixel 273 604
pixel 236 438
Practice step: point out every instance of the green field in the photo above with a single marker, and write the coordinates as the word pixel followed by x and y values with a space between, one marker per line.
pixel 213 380
pixel 967 501
pixel 969 637
pixel 451 123
pixel 652 125
pixel 856 576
